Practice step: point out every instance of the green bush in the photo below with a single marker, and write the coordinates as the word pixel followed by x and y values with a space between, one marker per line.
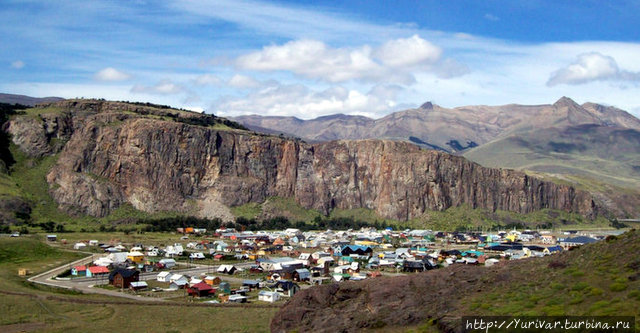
pixel 617 286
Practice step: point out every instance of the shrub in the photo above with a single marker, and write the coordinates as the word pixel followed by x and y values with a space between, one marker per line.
pixel 617 286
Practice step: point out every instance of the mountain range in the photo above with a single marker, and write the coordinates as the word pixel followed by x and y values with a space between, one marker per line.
pixel 95 158
pixel 26 100
pixel 592 146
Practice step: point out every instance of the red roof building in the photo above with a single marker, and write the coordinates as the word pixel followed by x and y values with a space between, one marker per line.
pixel 201 289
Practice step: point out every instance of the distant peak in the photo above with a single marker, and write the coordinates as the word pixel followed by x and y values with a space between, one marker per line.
pixel 565 101
pixel 427 106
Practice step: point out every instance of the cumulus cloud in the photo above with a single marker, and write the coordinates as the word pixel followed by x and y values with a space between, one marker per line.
pixel 242 81
pixel 297 100
pixel 18 64
pixel 111 74
pixel 164 87
pixel 207 79
pixel 408 52
pixel 590 67
pixel 394 61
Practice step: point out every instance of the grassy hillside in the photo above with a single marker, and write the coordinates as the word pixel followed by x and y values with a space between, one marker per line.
pixel 602 160
pixel 609 154
pixel 602 279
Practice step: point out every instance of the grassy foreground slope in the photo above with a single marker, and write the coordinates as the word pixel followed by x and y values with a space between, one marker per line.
pixel 29 307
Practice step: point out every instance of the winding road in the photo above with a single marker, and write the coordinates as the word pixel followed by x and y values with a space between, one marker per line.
pixel 87 285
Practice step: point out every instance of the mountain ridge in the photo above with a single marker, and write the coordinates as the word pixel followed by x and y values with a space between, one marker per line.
pixel 110 154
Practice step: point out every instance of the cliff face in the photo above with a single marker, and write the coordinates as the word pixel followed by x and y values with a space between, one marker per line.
pixel 113 157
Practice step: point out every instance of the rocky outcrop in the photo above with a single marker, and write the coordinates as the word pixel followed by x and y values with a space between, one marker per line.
pixel 12 208
pixel 166 165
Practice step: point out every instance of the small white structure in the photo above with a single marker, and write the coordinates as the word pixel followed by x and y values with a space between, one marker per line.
pixel 268 296
pixel 93 242
pixel 174 250
pixel 79 246
pixel 177 285
pixel 164 277
pixel 168 263
pixel 178 278
pixel 137 285
pixel 237 299
pixel 226 269
pixel 196 255
pixel 103 261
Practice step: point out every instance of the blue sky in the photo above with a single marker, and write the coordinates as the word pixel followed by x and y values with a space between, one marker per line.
pixel 314 58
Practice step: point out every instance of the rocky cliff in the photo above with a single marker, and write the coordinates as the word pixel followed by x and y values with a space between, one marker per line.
pixel 115 154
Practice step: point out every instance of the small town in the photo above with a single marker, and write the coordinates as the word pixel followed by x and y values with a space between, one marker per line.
pixel 227 266
pixel 285 166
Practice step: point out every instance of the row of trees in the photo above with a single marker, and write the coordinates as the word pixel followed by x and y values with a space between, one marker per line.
pixel 242 224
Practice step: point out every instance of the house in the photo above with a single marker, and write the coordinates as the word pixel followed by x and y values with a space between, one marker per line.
pixel 118 257
pixel 227 269
pixel 302 274
pixel 122 278
pixel 200 290
pixel 97 271
pixel 360 250
pixel 548 239
pixel 252 284
pixel 52 238
pixel 225 287
pixel 139 285
pixel 196 255
pixel 178 279
pixel 288 288
pixel 268 296
pixel 212 280
pixel 576 241
pixel 79 246
pixel 178 284
pixel 103 261
pixel 552 249
pixel 174 250
pixel 135 257
pixel 79 270
pixel 167 263
pixel 237 299
pixel 164 277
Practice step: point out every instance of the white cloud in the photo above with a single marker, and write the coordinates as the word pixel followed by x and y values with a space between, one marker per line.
pixel 18 64
pixel 590 67
pixel 410 51
pixel 111 74
pixel 242 81
pixel 207 79
pixel 491 17
pixel 164 87
pixel 395 61
pixel 301 101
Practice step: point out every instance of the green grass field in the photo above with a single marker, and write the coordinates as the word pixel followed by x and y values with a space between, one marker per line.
pixel 46 309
